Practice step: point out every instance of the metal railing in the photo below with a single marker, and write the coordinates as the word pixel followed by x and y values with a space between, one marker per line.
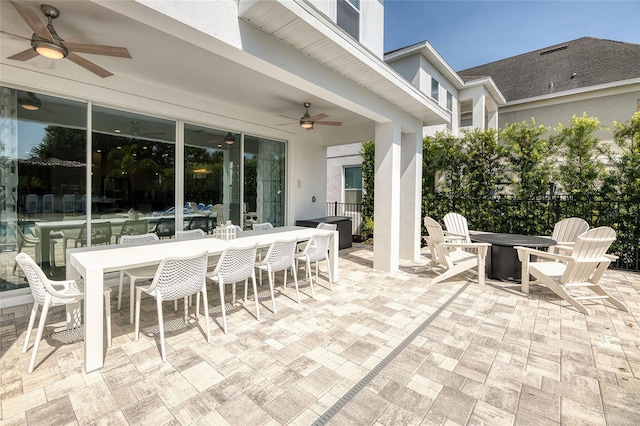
pixel 530 217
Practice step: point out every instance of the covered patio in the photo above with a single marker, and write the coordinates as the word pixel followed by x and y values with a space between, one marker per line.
pixel 379 349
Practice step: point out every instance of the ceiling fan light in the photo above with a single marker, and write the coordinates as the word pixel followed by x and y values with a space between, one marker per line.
pixel 49 50
pixel 229 139
pixel 306 124
pixel 30 102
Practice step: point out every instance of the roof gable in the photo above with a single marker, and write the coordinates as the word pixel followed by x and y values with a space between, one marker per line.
pixel 566 66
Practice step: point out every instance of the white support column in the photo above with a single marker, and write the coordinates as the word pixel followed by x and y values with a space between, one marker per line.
pixel 479 105
pixel 386 230
pixel 410 195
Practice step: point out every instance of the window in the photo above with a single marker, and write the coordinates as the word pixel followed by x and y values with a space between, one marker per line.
pixel 353 185
pixel 348 17
pixel 435 89
pixel 449 101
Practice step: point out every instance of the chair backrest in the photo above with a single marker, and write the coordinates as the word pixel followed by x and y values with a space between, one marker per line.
pixel 457 224
pixel 588 253
pixel 134 227
pixel 236 264
pixel 166 227
pixel 100 233
pixel 262 226
pixel 327 226
pixel 567 230
pixel 201 206
pixel 38 282
pixel 139 238
pixel 179 277
pixel 199 223
pixel 21 238
pixel 439 254
pixel 68 203
pixel 47 203
pixel 317 247
pixel 208 208
pixel 218 209
pixel 31 203
pixel 190 234
pixel 281 254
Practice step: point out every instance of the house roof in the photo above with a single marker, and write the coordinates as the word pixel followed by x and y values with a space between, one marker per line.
pixel 572 65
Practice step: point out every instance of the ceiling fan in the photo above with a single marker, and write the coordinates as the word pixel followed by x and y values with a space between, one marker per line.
pixel 46 41
pixel 307 121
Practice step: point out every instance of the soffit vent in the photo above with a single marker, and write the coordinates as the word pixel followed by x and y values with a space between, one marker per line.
pixel 554 49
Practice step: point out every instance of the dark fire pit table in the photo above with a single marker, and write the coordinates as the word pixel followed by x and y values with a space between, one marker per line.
pixel 502 259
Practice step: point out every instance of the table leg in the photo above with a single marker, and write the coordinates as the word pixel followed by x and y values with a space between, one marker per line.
pixel 333 255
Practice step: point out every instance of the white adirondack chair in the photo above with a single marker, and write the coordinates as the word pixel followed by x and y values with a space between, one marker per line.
pixel 451 256
pixel 566 232
pixel 456 227
pixel 583 269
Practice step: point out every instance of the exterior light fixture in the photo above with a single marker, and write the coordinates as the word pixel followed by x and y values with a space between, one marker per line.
pixel 30 102
pixel 305 120
pixel 229 139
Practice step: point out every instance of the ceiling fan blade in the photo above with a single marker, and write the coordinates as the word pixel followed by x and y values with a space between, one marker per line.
pixel 290 118
pixel 21 37
pixel 329 123
pixel 318 117
pixel 88 65
pixel 98 49
pixel 33 20
pixel 25 55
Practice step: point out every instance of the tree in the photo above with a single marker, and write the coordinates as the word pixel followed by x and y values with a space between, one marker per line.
pixel 62 142
pixel 627 138
pixel 483 170
pixel 368 152
pixel 583 170
pixel 529 166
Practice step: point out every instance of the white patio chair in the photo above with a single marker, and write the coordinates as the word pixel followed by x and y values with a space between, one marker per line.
pixel 176 278
pixel 565 234
pixel 316 250
pixel 235 264
pixel 24 241
pixel 144 273
pixel 190 234
pixel 32 204
pixel 566 275
pixel 456 227
pixel 452 256
pixel 47 203
pixel 50 293
pixel 262 226
pixel 279 257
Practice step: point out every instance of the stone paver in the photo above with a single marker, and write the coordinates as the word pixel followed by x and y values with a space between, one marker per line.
pixel 482 355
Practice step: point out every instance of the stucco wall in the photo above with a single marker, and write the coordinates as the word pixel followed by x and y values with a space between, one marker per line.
pixel 339 157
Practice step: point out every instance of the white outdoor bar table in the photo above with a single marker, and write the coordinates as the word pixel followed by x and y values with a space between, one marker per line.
pixel 92 263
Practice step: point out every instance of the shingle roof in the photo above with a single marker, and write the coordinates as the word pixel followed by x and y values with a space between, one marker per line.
pixel 549 70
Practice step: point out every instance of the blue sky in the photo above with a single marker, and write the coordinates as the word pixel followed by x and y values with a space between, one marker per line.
pixel 470 33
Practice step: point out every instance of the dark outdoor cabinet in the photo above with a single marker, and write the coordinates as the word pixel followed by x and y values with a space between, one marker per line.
pixel 343 223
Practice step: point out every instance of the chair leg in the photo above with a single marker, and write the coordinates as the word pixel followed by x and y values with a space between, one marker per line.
pixel 255 296
pixel 32 320
pixel 137 302
pixel 107 312
pixel 161 328
pixel 120 285
pixel 295 280
pixel 186 310
pixel 206 311
pixel 36 344
pixel 329 272
pixel 222 307
pixel 272 276
pixel 310 278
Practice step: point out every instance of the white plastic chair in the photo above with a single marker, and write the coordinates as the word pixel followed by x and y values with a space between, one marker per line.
pixel 566 275
pixel 262 226
pixel 32 203
pixel 235 264
pixel 176 278
pixel 24 241
pixel 50 293
pixel 47 203
pixel 136 274
pixel 453 257
pixel 316 250
pixel 190 234
pixel 279 257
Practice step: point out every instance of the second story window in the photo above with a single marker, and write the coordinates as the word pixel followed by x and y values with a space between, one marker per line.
pixel 435 89
pixel 449 102
pixel 353 185
pixel 349 17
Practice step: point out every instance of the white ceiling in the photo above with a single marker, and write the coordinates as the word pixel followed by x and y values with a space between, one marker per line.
pixel 161 59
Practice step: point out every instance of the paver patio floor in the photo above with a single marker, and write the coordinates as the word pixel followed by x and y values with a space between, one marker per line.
pixel 380 349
